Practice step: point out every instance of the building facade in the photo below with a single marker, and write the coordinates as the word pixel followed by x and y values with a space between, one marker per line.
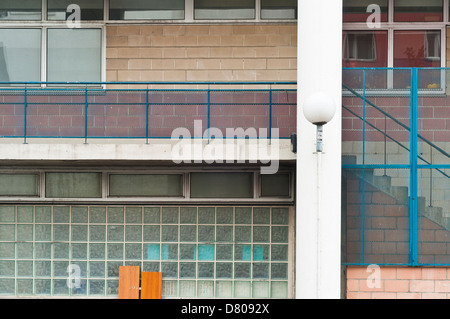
pixel 160 135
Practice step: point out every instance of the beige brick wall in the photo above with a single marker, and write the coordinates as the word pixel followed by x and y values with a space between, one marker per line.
pixel 201 53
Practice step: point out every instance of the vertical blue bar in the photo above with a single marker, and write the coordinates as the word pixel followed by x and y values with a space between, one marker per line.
pixel 25 105
pixel 413 208
pixel 270 113
pixel 209 110
pixel 85 114
pixel 146 115
pixel 363 189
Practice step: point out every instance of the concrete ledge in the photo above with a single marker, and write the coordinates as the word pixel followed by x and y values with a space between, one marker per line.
pixel 138 150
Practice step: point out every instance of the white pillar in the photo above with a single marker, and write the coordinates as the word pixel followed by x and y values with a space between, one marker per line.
pixel 318 202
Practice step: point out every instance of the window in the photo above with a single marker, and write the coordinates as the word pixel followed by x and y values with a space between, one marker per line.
pixel 146 185
pixel 19 185
pixel 278 9
pixel 20 55
pixel 418 10
pixel 356 10
pixel 222 10
pixel 394 43
pixel 274 185
pixel 151 9
pixel 412 48
pixel 45 48
pixel 74 55
pixel 90 9
pixel 364 48
pixel 21 10
pixel 360 46
pixel 73 185
pixel 221 185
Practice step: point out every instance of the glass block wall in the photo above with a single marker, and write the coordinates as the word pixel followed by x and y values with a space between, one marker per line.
pixel 204 252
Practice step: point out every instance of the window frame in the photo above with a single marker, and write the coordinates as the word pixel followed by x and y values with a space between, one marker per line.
pixel 185 198
pixel 391 26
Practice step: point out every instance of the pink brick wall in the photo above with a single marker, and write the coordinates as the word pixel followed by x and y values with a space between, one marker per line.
pixel 433 124
pixel 398 283
pixel 123 113
pixel 377 231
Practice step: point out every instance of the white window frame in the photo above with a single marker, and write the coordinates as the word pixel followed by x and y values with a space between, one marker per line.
pixel 185 198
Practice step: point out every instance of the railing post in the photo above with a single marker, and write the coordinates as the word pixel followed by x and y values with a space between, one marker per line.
pixel 270 114
pixel 146 116
pixel 431 177
pixel 209 110
pixel 385 144
pixel 25 106
pixel 413 169
pixel 363 187
pixel 85 113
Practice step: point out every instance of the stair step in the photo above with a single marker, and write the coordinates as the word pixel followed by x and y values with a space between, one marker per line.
pixel 400 193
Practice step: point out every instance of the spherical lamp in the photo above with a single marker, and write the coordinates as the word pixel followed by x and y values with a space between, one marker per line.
pixel 319 109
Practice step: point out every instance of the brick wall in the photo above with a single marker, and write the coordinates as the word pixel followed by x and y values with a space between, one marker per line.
pixel 399 283
pixel 123 113
pixel 377 231
pixel 201 52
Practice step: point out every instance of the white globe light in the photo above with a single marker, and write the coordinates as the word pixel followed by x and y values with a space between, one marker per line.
pixel 319 108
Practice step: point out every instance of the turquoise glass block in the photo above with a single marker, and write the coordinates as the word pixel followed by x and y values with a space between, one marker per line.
pixel 205 252
pixel 246 252
pixel 258 252
pixel 153 252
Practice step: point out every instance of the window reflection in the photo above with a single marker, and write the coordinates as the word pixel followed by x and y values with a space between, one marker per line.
pixel 418 10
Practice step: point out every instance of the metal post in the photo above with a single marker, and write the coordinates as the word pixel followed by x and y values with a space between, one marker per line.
pixel 270 114
pixel 85 114
pixel 146 116
pixel 209 110
pixel 25 106
pixel 413 169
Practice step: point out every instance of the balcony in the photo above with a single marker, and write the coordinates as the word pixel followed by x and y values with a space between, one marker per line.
pixel 143 111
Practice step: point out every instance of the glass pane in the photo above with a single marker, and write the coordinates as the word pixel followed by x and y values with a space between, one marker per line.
pixel 231 185
pixel 187 270
pixel 224 289
pixel 356 10
pixel 417 48
pixel 418 10
pixel 260 289
pixel 188 215
pixel 74 55
pixel 278 9
pixel 20 10
pixel 69 185
pixel 20 55
pixel 365 49
pixel 150 9
pixel 19 184
pixel 146 185
pixel 90 9
pixel 275 185
pixel 25 214
pixel 216 9
pixel 7 214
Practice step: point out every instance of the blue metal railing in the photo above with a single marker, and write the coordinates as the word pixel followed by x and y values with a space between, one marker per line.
pixel 378 92
pixel 86 98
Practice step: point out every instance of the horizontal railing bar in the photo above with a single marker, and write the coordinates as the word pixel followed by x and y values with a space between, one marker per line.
pixel 149 83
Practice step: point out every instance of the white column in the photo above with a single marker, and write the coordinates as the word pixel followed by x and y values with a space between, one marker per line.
pixel 318 202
